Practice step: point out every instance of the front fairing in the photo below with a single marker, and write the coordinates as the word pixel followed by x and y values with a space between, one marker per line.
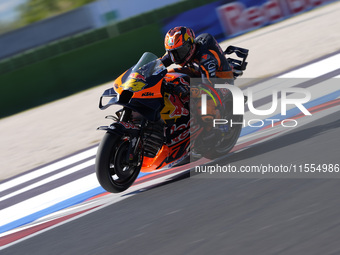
pixel 140 88
pixel 142 76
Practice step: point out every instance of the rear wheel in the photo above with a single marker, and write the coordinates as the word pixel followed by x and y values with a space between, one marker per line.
pixel 114 171
pixel 225 136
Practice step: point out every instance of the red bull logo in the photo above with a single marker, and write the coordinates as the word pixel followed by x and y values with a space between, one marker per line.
pixel 188 35
pixel 137 76
pixel 237 18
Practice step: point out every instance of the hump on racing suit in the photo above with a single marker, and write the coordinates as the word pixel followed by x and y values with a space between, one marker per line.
pixel 210 59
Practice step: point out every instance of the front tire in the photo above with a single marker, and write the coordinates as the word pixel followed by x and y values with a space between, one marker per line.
pixel 114 173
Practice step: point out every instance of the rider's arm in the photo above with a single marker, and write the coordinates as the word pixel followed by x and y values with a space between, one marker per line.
pixel 208 70
pixel 166 60
pixel 214 67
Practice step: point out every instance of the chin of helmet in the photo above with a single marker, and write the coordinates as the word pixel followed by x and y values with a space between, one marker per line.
pixel 183 54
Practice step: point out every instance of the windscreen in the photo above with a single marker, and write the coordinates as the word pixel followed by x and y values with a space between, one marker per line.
pixel 145 58
pixel 149 64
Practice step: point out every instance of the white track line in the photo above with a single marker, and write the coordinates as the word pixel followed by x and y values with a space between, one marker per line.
pixel 316 69
pixel 48 169
pixel 47 199
pixel 50 179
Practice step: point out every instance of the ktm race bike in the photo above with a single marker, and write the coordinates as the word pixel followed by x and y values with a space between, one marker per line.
pixel 155 128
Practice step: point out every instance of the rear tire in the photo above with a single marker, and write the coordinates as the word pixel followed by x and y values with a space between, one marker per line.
pixel 226 142
pixel 113 171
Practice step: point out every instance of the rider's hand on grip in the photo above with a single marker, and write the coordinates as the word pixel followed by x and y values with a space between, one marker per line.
pixel 181 90
pixel 177 89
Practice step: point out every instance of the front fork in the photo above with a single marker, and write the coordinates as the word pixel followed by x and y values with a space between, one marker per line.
pixel 136 141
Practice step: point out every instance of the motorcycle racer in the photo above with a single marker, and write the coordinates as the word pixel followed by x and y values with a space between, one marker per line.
pixel 198 57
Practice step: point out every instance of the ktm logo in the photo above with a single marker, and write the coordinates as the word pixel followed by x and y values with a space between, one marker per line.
pixel 147 94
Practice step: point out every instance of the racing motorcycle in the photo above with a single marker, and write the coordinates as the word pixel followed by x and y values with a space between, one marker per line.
pixel 156 129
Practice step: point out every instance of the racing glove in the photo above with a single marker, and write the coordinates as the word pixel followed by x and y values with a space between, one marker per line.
pixel 181 90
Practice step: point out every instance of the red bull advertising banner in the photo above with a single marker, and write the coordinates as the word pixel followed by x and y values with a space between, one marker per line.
pixel 242 16
pixel 224 18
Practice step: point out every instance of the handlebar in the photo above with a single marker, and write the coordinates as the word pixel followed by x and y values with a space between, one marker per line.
pixel 242 53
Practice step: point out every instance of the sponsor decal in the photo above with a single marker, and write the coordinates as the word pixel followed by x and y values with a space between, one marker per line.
pixel 185 128
pixel 183 81
pixel 189 32
pixel 212 67
pixel 128 125
pixel 173 108
pixel 179 110
pixel 171 41
pixel 147 94
pixel 133 85
pixel 236 18
pixel 137 76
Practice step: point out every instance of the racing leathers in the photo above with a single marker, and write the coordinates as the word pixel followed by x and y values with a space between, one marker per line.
pixel 207 62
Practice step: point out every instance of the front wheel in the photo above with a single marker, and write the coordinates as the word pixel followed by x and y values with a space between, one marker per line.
pixel 114 171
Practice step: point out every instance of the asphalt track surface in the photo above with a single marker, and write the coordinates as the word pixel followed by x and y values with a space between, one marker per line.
pixel 204 215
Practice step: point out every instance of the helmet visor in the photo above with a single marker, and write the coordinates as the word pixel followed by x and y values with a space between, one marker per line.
pixel 178 55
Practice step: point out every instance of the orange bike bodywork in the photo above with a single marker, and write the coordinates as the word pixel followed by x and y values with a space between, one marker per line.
pixel 173 110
